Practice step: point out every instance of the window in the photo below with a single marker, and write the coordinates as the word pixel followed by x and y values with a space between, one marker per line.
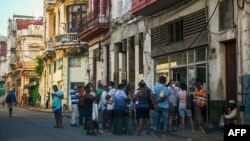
pixel 200 54
pixel 141 53
pixel 162 67
pixel 54 67
pixel 59 64
pixel 33 52
pixel 178 59
pixel 75 13
pixel 54 25
pixel 59 20
pixel 226 14
pixel 75 62
pixel 191 56
pixel 49 69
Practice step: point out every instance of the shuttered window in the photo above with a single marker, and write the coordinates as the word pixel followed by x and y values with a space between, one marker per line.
pixel 177 30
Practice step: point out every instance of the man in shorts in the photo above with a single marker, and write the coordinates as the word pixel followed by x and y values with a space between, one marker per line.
pixel 57 106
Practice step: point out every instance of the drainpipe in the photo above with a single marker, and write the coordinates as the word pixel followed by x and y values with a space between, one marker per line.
pixel 246 29
pixel 68 81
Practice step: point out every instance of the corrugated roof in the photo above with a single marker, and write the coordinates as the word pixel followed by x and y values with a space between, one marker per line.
pixel 24 23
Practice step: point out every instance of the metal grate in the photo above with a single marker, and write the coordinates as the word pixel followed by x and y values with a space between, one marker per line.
pixel 177 30
pixel 194 23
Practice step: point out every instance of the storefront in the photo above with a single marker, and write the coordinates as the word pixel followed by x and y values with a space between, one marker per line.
pixel 184 67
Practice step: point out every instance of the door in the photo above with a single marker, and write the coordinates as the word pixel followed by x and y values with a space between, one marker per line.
pixel 180 74
pixel 231 81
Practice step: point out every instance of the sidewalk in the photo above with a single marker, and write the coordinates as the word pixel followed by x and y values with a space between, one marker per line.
pixel 212 134
pixel 49 110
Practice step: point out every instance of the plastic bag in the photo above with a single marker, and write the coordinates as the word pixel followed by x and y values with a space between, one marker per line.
pixel 95 112
pixel 222 121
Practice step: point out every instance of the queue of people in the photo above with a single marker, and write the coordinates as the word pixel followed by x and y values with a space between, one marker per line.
pixel 123 110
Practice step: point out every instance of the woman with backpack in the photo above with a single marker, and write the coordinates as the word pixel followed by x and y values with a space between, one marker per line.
pixel 144 97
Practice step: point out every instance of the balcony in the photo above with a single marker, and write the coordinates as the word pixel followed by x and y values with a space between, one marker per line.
pixel 149 7
pixel 68 40
pixel 49 5
pixel 92 25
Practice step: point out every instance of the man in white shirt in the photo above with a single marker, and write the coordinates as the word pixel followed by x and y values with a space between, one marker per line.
pixel 103 106
pixel 110 105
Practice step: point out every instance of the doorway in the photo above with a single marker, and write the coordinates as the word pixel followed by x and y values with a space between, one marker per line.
pixel 231 81
pixel 179 74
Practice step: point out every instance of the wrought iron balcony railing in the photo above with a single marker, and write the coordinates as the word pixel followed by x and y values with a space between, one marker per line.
pixel 68 37
pixel 92 19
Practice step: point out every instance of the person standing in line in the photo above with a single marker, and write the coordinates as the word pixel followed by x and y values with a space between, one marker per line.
pixel 74 104
pixel 185 106
pixel 200 99
pixel 57 106
pixel 144 97
pixel 89 100
pixel 81 103
pixel 110 106
pixel 10 100
pixel 103 104
pixel 173 99
pixel 120 105
pixel 160 92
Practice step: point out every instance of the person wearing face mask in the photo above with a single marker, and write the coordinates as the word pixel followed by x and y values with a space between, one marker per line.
pixel 173 99
pixel 200 100
pixel 230 117
pixel 110 105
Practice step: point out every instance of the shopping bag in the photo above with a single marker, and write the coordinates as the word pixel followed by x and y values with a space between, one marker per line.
pixel 222 121
pixel 95 112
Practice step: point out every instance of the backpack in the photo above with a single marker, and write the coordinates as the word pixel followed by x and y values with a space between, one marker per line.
pixel 8 98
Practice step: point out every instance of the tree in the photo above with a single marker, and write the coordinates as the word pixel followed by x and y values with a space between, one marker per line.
pixel 39 67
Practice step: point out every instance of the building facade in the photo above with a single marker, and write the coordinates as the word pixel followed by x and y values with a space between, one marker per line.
pixel 65 57
pixel 93 28
pixel 194 38
pixel 3 64
pixel 23 44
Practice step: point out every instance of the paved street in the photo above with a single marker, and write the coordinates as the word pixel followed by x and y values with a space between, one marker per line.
pixel 28 125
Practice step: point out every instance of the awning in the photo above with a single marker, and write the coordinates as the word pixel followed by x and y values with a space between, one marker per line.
pixel 35 83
